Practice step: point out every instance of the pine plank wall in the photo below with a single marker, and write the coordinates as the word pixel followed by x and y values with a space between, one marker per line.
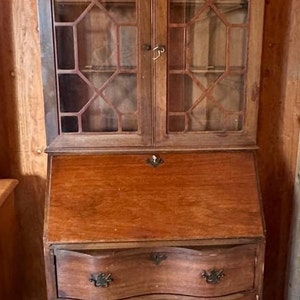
pixel 22 134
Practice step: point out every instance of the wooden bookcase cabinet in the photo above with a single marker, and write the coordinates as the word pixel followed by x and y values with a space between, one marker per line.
pixel 133 90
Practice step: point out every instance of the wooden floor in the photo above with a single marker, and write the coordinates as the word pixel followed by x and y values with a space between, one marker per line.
pixel 22 133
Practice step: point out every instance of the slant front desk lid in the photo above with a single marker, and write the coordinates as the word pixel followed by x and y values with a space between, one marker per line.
pixel 113 198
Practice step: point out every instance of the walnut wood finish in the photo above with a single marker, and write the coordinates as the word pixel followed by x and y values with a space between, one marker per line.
pixel 110 198
pixel 180 297
pixel 134 273
pixel 9 266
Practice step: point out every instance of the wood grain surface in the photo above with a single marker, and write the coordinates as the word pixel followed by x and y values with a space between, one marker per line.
pixel 23 145
pixel 278 134
pixel 179 273
pixel 120 198
pixel 9 242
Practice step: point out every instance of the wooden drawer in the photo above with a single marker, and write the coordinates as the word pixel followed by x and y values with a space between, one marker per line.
pixel 169 270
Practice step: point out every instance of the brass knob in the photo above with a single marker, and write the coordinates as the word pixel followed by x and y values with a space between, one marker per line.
pixel 146 47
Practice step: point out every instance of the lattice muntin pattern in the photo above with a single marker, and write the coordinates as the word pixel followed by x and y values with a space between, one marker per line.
pixel 207 77
pixel 96 66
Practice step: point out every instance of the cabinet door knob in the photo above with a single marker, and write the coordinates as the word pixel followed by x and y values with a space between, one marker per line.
pixel 213 276
pixel 101 280
pixel 160 49
pixel 146 47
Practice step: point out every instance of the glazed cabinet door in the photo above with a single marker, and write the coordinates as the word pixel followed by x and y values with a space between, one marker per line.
pixel 207 81
pixel 101 94
pixel 178 74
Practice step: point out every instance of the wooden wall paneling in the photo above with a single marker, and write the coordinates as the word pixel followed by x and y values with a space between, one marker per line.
pixel 6 84
pixel 25 126
pixel 9 238
pixel 293 92
pixel 278 133
pixel 293 283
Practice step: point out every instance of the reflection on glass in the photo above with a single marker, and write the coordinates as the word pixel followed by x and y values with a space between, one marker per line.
pixel 96 43
pixel 207 62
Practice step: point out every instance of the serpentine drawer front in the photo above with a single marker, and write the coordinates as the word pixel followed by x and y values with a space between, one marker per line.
pixel 119 274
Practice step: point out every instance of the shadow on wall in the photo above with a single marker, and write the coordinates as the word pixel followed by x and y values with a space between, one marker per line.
pixel 17 159
pixel 30 199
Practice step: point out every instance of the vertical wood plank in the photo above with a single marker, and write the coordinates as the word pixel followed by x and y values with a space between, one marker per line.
pixel 278 136
pixel 6 83
pixel 25 123
pixel 293 93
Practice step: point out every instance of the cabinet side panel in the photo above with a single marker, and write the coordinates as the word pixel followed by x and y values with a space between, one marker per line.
pixel 9 254
pixel 48 71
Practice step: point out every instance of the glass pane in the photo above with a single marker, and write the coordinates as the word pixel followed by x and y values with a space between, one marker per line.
pixel 206 117
pixel 176 123
pixel 74 93
pixel 129 122
pixel 206 62
pixel 230 93
pixel 123 12
pixel 96 45
pixel 183 92
pixel 121 93
pixel 222 109
pixel 207 41
pixel 97 79
pixel 69 11
pixel 128 41
pixel 97 40
pixel 238 45
pixel 99 117
pixel 235 12
pixel 65 47
pixel 177 59
pixel 116 109
pixel 69 124
pixel 184 12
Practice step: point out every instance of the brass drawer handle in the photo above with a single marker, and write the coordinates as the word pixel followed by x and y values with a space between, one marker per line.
pixel 101 280
pixel 213 276
pixel 157 257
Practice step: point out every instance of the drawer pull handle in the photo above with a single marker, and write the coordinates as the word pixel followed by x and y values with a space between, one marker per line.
pixel 213 276
pixel 157 258
pixel 101 280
